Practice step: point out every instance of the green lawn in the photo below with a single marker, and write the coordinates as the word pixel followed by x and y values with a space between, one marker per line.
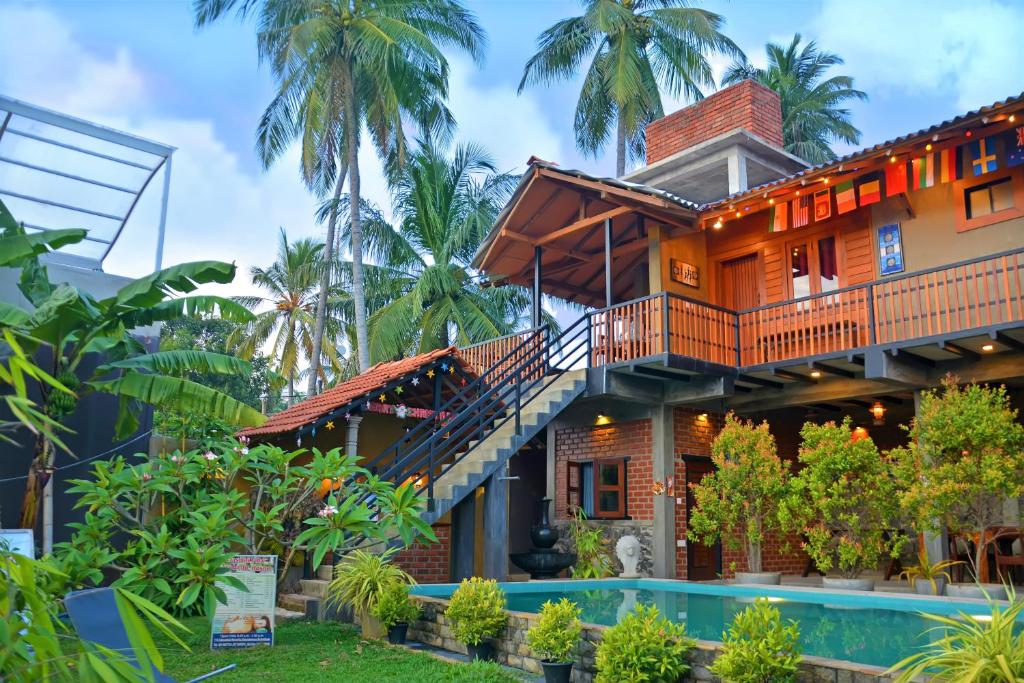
pixel 311 652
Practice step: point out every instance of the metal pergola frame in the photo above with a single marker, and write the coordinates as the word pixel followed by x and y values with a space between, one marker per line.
pixel 12 111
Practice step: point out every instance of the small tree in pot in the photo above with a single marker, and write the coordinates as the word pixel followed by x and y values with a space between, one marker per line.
pixel 476 614
pixel 965 456
pixel 845 500
pixel 554 638
pixel 396 611
pixel 739 502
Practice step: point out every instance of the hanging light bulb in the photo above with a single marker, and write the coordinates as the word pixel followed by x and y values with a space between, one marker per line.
pixel 878 412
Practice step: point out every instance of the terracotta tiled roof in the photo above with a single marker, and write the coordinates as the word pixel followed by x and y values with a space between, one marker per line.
pixel 348 392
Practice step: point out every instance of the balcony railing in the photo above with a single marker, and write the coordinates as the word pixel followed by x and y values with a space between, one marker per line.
pixel 969 295
pixel 504 353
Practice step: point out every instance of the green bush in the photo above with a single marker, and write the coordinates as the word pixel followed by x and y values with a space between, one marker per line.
pixel 394 606
pixel 759 648
pixel 557 631
pixel 593 558
pixel 476 610
pixel 362 578
pixel 644 646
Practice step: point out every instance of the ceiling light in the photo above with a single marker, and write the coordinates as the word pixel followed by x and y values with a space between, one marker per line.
pixel 988 347
pixel 718 224
pixel 878 412
pixel 815 374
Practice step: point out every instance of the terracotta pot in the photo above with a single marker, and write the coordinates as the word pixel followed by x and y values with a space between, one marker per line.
pixel 556 672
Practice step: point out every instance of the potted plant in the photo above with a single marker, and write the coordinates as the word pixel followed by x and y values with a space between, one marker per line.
pixel 643 646
pixel 843 499
pixel 964 458
pixel 554 638
pixel 739 502
pixel 396 611
pixel 360 579
pixel 476 614
pixel 927 578
pixel 759 648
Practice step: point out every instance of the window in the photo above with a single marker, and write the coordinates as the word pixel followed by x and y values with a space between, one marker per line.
pixel 813 267
pixel 978 204
pixel 598 487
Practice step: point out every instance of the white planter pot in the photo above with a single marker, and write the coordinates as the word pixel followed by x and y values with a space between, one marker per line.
pixel 924 586
pixel 848 584
pixel 760 578
pixel 995 591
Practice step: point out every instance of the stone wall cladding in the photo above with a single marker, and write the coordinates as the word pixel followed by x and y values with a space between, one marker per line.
pixel 748 105
pixel 630 439
pixel 613 531
pixel 693 436
pixel 432 629
pixel 430 562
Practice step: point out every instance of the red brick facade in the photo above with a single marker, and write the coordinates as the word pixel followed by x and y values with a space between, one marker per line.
pixel 430 563
pixel 747 105
pixel 622 439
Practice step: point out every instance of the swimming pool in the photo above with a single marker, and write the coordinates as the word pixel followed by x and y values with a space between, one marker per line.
pixel 868 628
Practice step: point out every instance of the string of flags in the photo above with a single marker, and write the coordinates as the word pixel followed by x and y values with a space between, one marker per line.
pixel 975 158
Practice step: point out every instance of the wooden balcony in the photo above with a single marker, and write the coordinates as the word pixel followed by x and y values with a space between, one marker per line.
pixel 977 296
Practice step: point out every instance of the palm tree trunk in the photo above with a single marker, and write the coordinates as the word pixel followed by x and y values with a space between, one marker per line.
pixel 325 286
pixel 620 147
pixel 358 295
pixel 291 388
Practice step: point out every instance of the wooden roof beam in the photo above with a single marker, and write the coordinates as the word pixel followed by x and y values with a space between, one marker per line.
pixel 584 223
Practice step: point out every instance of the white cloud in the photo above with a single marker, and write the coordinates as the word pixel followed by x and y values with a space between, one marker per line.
pixel 943 46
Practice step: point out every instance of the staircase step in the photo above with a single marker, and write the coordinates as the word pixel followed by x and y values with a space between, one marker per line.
pixel 294 602
pixel 325 572
pixel 314 588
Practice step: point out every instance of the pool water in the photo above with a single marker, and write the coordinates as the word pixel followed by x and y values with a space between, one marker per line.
pixel 867 628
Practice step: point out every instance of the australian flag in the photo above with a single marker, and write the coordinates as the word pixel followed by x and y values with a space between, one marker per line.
pixel 1013 143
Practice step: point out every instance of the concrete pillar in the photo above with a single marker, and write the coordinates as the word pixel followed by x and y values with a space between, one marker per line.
pixel 549 480
pixel 352 435
pixel 496 524
pixel 463 538
pixel 737 163
pixel 655 234
pixel 663 466
pixel 935 545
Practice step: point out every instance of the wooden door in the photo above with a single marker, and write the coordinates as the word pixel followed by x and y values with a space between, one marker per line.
pixel 739 283
pixel 703 562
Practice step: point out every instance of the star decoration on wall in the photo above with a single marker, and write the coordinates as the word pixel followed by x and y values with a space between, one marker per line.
pixel 444 367
pixel 383 398
pixel 463 381
pixel 329 426
pixel 415 381
pixel 451 370
pixel 347 416
pixel 398 390
pixel 430 373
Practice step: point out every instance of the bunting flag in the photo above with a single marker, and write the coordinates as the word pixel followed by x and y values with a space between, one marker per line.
pixel 801 211
pixel 922 172
pixel 870 190
pixel 895 178
pixel 983 156
pixel 949 169
pixel 846 198
pixel 1013 143
pixel 777 216
pixel 822 204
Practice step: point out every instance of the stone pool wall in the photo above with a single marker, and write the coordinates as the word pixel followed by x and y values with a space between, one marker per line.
pixel 432 629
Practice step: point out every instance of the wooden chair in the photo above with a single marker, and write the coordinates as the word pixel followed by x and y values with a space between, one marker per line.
pixel 1009 550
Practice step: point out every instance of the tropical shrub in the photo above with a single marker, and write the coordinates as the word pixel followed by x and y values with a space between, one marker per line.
pixel 36 645
pixel 167 526
pixel 593 557
pixel 643 646
pixel 843 499
pixel 758 647
pixel 557 631
pixel 395 607
pixel 965 456
pixel 476 610
pixel 988 649
pixel 928 571
pixel 362 577
pixel 739 501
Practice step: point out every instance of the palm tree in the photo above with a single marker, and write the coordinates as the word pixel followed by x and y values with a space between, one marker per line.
pixel 812 113
pixel 425 293
pixel 340 65
pixel 287 319
pixel 633 47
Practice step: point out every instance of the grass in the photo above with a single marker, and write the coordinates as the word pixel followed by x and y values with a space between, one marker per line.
pixel 310 651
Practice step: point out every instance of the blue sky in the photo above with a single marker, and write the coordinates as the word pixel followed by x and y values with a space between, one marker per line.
pixel 142 67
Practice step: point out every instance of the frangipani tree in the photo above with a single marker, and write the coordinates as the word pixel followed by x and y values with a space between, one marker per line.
pixel 965 456
pixel 739 501
pixel 67 325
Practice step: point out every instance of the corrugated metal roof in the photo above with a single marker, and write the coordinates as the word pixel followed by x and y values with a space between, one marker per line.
pixel 682 202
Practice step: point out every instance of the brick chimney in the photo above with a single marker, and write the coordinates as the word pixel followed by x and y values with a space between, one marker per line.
pixel 748 105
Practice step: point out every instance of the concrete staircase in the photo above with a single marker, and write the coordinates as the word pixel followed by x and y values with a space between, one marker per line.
pixel 497 446
pixel 310 590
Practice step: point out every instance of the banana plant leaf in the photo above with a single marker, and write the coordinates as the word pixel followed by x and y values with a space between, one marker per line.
pixel 190 306
pixel 184 360
pixel 180 279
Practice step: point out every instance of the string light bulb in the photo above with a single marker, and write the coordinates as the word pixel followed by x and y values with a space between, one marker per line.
pixel 825 180
pixel 718 224
pixel 1013 117
pixel 928 147
pixel 892 159
pixel 738 214
pixel 771 202
pixel 968 134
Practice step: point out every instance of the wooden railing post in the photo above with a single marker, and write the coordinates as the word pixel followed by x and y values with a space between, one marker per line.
pixel 666 321
pixel 872 333
pixel 739 357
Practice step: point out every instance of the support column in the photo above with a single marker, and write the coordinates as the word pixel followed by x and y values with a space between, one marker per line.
pixel 537 276
pixel 496 524
pixel 608 262
pixel 463 533
pixel 352 435
pixel 549 481
pixel 935 545
pixel 737 163
pixel 663 467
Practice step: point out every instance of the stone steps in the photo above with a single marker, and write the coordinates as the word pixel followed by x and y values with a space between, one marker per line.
pixel 314 588
pixel 294 602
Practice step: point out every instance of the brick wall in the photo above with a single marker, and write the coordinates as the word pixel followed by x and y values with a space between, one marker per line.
pixel 747 105
pixel 693 436
pixel 630 439
pixel 429 563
